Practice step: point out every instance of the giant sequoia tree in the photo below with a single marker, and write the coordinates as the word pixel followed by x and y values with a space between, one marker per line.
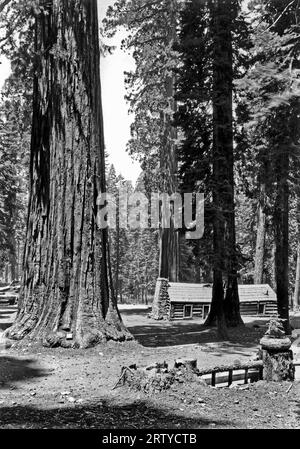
pixel 67 297
pixel 209 32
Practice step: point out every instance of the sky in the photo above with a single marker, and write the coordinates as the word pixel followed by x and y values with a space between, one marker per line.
pixel 115 109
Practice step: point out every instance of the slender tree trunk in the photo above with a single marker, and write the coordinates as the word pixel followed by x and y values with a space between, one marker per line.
pixel 281 236
pixel 169 239
pixel 117 272
pixel 273 270
pixel 260 236
pixel 67 296
pixel 296 296
pixel 121 290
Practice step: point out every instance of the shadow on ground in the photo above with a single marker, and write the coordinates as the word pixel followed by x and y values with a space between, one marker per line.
pixel 140 414
pixel 13 370
pixel 162 333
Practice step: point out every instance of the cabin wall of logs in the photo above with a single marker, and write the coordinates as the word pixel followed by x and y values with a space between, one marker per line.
pixel 188 310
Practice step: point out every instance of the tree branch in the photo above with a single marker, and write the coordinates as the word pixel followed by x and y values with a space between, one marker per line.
pixel 3 4
pixel 279 17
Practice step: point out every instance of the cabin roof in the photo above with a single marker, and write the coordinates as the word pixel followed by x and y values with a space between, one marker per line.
pixel 202 293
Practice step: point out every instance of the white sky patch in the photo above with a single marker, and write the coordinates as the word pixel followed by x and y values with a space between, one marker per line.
pixel 115 108
pixel 4 70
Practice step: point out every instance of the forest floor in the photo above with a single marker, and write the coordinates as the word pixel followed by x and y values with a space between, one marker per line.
pixel 56 388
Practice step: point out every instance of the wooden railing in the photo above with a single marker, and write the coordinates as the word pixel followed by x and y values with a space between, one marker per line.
pixel 252 371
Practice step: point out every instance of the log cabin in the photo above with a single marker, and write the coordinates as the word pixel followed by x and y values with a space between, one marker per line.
pixel 189 301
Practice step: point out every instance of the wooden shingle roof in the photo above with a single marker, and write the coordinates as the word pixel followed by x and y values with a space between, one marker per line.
pixel 185 292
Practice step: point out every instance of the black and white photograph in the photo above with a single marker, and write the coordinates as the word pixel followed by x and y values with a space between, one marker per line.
pixel 149 219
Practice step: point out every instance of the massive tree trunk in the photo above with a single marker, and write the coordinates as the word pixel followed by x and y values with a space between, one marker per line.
pixel 67 297
pixel 216 314
pixel 260 236
pixel 225 258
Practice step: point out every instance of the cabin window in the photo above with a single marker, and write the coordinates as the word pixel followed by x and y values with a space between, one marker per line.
pixel 187 311
pixel 261 309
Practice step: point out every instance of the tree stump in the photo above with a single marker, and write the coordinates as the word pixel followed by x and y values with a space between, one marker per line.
pixel 276 354
pixel 278 365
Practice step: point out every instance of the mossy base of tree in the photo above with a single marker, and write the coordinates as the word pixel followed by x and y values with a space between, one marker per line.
pixel 83 336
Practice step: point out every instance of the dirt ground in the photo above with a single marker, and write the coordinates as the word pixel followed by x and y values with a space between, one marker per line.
pixel 56 388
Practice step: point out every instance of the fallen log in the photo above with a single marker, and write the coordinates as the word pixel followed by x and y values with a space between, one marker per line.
pixel 238 366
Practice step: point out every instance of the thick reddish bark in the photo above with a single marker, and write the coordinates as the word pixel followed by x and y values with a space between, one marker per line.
pixel 66 297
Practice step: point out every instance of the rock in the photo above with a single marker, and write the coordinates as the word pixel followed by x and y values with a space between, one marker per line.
pixel 186 363
pixel 201 401
pixel 65 393
pixel 71 399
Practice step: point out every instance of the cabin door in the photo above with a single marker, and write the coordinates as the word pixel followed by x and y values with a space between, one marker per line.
pixel 261 309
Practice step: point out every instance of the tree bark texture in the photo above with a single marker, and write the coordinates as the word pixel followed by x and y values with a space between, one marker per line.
pixel 169 239
pixel 67 297
pixel 260 236
pixel 296 298
pixel 225 259
pixel 281 235
pixel 278 365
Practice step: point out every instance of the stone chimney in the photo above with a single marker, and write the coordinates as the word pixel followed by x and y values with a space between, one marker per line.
pixel 161 306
